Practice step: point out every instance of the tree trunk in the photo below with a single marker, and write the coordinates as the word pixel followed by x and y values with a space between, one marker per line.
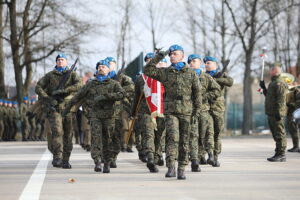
pixel 2 64
pixel 298 48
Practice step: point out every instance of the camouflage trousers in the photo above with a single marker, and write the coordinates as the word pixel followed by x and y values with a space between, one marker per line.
pixel 102 132
pixel 293 129
pixel 47 132
pixel 278 133
pixel 1 129
pixel 86 129
pixel 202 136
pixel 159 139
pixel 139 135
pixel 218 120
pixel 25 127
pixel 116 137
pixel 62 134
pixel 177 140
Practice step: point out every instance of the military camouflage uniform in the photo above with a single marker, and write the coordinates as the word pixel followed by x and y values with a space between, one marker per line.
pixel 275 108
pixel 102 114
pixel 25 122
pixel 202 132
pixel 217 109
pixel 61 127
pixel 182 100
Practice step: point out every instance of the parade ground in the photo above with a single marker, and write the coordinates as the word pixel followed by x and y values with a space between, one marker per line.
pixel 26 173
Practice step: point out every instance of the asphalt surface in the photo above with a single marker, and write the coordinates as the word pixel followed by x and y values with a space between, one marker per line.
pixel 26 173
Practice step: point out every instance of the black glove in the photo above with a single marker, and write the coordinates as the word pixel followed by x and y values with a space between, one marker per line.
pixel 277 117
pixel 262 85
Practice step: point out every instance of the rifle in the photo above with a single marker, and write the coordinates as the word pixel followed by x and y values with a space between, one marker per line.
pixel 62 83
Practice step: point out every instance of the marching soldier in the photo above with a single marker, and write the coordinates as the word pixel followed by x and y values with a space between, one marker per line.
pixel 217 107
pixel 25 123
pixel 101 93
pixel 275 108
pixel 182 101
pixel 55 100
pixel 202 132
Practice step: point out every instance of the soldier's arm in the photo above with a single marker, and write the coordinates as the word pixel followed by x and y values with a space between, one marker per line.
pixel 280 97
pixel 225 80
pixel 214 90
pixel 128 85
pixel 81 94
pixel 152 71
pixel 197 98
pixel 137 94
pixel 41 84
pixel 76 84
pixel 117 94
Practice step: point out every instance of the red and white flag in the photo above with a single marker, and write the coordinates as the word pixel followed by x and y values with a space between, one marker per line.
pixel 154 94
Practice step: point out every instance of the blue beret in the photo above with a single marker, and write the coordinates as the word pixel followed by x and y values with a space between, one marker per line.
pixel 149 55
pixel 192 57
pixel 175 47
pixel 110 59
pixel 102 62
pixel 1 101
pixel 14 103
pixel 209 58
pixel 25 98
pixel 164 60
pixel 61 55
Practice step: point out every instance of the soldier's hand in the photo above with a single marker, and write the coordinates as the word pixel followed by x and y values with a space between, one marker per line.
pixel 58 92
pixel 100 98
pixel 53 102
pixel 262 85
pixel 277 117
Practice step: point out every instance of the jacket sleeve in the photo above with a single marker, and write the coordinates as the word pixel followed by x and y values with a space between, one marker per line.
pixel 280 102
pixel 76 83
pixel 213 91
pixel 41 85
pixel 117 94
pixel 225 80
pixel 152 71
pixel 197 98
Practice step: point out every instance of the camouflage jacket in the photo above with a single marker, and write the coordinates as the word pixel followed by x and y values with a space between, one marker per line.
pixel 2 112
pixel 139 90
pixel 109 88
pixel 275 102
pixel 182 88
pixel 210 90
pixel 49 83
pixel 224 81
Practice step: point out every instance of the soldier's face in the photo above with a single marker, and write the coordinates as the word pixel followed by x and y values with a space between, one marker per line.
pixel 176 56
pixel 275 71
pixel 210 65
pixel 162 65
pixel 195 63
pixel 112 66
pixel 103 70
pixel 61 62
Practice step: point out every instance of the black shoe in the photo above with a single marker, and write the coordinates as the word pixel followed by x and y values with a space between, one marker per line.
pixel 57 162
pixel 144 158
pixel 294 149
pixel 181 175
pixel 113 164
pixel 160 162
pixel 129 150
pixel 216 162
pixel 210 159
pixel 277 158
pixel 106 168
pixel 152 167
pixel 171 172
pixel 88 148
pixel 98 167
pixel 123 149
pixel 203 161
pixel 195 166
pixel 66 165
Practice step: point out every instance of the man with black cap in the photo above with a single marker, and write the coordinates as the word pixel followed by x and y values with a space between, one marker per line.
pixel 182 101
pixel 61 127
pixel 101 94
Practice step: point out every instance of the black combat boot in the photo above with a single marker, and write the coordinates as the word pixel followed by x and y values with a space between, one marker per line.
pixel 142 157
pixel 216 162
pixel 88 148
pixel 210 159
pixel 129 150
pixel 203 160
pixel 150 163
pixel 180 174
pixel 98 167
pixel 66 164
pixel 160 161
pixel 57 162
pixel 171 172
pixel 113 164
pixel 294 149
pixel 106 168
pixel 195 166
pixel 277 158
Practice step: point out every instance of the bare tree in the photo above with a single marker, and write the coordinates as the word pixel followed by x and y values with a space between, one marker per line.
pixel 2 64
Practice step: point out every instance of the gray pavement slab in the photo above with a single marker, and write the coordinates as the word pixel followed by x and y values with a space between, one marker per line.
pixel 244 174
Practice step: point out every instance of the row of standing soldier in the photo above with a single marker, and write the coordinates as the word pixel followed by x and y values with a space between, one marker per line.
pixel 193 102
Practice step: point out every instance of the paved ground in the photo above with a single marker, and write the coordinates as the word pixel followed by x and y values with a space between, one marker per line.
pixel 26 173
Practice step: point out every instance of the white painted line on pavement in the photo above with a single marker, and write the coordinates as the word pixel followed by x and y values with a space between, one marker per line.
pixel 33 187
